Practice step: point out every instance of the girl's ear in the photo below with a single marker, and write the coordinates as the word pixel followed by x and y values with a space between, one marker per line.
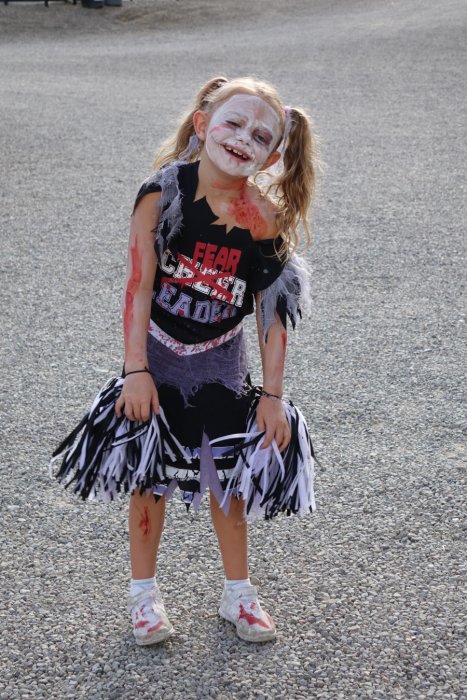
pixel 200 123
pixel 271 159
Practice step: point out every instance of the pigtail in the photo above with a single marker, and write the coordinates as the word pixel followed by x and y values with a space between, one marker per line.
pixel 184 141
pixel 295 185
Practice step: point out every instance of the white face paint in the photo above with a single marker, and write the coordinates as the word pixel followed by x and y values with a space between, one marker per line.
pixel 241 135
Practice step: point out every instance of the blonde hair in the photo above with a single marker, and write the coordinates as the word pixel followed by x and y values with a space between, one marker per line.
pixel 292 189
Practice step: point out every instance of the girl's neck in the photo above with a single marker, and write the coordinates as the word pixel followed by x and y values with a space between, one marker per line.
pixel 214 184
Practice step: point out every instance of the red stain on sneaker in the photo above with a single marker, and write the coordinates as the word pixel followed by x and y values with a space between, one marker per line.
pixel 155 627
pixel 250 618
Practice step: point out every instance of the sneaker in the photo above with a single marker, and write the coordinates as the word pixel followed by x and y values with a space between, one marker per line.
pixel 150 623
pixel 242 607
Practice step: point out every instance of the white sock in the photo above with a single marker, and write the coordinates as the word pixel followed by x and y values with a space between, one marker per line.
pixel 138 585
pixel 232 584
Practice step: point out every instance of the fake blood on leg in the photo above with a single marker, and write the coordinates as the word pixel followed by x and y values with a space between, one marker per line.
pixel 145 522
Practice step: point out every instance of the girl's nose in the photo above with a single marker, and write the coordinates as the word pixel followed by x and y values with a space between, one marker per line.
pixel 244 135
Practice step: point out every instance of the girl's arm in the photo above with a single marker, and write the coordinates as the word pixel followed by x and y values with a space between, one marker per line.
pixel 139 393
pixel 270 413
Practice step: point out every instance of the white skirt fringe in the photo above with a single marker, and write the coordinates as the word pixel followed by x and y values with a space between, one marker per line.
pixel 106 455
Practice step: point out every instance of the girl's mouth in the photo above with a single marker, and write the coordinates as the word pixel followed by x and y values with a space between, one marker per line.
pixel 239 155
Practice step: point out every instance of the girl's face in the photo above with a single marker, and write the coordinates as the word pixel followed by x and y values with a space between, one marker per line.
pixel 241 135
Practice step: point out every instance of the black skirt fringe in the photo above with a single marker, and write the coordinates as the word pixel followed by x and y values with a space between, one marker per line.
pixel 106 455
pixel 273 482
pixel 114 454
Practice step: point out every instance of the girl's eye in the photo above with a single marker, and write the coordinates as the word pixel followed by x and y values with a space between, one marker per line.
pixel 231 123
pixel 262 139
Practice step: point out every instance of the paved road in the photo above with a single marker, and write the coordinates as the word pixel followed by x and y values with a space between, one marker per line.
pixel 368 593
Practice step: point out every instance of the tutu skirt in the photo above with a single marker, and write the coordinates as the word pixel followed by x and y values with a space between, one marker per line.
pixel 212 441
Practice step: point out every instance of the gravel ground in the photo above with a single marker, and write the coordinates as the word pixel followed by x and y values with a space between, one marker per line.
pixel 368 593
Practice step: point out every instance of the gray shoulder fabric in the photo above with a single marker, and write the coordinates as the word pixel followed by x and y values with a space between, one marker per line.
pixel 170 205
pixel 291 290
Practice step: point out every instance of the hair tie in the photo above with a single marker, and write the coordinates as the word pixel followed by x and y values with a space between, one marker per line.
pixel 135 371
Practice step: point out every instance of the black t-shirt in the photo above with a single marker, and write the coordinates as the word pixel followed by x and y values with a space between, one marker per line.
pixel 205 282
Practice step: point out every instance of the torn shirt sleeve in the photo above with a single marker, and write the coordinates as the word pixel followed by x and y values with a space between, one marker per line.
pixel 148 186
pixel 166 181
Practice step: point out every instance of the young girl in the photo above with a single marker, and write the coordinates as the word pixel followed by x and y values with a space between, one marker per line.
pixel 206 241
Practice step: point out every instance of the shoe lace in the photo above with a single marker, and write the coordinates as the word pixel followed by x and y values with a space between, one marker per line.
pixel 247 593
pixel 145 597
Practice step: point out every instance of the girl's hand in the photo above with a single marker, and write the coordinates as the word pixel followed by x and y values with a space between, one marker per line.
pixel 139 395
pixel 270 416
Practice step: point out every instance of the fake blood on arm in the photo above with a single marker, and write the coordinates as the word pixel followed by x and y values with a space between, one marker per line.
pixel 131 289
pixel 278 360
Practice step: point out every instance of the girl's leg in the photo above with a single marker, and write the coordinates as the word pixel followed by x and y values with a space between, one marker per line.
pixel 232 534
pixel 239 603
pixel 145 523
